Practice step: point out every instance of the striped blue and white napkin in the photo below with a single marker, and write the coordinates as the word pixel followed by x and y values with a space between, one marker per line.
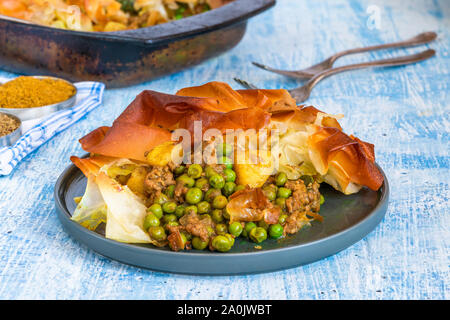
pixel 37 132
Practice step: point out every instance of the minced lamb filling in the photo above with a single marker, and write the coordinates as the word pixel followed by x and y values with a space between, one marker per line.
pixel 187 205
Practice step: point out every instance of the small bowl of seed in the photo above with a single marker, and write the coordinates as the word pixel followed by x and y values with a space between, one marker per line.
pixel 33 97
pixel 10 129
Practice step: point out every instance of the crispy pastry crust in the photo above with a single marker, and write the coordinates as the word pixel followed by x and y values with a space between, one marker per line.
pixel 149 120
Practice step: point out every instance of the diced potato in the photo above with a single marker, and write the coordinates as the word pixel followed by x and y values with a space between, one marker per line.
pixel 122 179
pixel 254 174
pixel 59 24
pixel 114 26
pixel 136 180
pixel 160 155
pixel 124 170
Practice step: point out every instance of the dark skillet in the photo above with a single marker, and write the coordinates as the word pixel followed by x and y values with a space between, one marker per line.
pixel 128 57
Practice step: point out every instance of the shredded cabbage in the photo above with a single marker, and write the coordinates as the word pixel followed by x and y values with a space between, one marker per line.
pixel 91 210
pixel 105 200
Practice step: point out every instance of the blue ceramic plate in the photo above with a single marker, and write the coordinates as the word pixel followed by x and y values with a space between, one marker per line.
pixel 347 219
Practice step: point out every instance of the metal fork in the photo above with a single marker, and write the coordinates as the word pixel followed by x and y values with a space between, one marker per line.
pixel 302 93
pixel 328 63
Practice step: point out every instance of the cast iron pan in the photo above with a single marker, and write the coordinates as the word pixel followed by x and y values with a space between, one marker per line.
pixel 124 58
pixel 347 219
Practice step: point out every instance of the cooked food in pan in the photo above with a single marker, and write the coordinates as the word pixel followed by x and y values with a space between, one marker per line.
pixel 210 164
pixel 104 15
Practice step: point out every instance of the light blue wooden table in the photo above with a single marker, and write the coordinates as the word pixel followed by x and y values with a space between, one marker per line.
pixel 403 111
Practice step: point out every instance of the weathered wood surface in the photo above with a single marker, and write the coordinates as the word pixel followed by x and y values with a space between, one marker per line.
pixel 403 111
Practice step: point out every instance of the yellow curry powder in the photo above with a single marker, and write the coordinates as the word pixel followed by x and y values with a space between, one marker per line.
pixel 7 124
pixel 29 92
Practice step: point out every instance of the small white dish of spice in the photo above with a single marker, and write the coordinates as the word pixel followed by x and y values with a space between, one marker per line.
pixel 10 129
pixel 33 97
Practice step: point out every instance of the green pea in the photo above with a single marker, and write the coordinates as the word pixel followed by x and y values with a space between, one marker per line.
pixel 221 228
pixel 157 233
pixel 211 194
pixel 186 180
pixel 281 202
pixel 210 231
pixel 275 231
pixel 270 193
pixel 307 180
pixel 187 235
pixel 169 207
pixel 217 181
pixel 230 238
pixel 258 234
pixel 282 218
pixel 235 229
pixel 191 209
pixel 201 183
pixel 171 224
pixel 161 199
pixel 180 211
pixel 183 240
pixel 221 243
pixel 284 192
pixel 150 221
pixel 263 224
pixel 239 187
pixel 217 216
pixel 209 172
pixel 247 228
pixel 220 202
pixel 203 207
pixel 227 162
pixel 322 199
pixel 205 216
pixel 195 171
pixel 156 209
pixel 225 213
pixel 198 244
pixel 194 196
pixel 224 149
pixel 230 175
pixel 169 218
pixel 179 170
pixel 170 191
pixel 228 188
pixel 280 179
